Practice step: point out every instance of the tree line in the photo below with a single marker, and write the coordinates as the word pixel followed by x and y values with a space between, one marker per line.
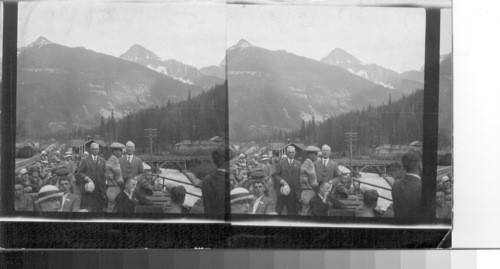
pixel 397 123
pixel 196 118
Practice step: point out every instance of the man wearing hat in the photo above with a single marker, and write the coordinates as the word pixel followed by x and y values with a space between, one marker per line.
pixel 407 191
pixel 261 204
pixel 49 199
pixel 308 179
pixel 288 173
pixel 28 185
pixel 240 201
pixel 44 157
pixel 92 170
pixel 113 175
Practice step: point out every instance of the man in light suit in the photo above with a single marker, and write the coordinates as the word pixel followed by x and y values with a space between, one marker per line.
pixel 288 173
pixel 131 165
pixel 261 204
pixel 92 167
pixel 326 169
pixel 70 202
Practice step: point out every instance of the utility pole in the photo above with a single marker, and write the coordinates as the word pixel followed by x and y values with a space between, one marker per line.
pixel 150 133
pixel 351 137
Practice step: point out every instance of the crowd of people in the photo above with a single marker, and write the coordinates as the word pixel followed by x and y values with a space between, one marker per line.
pixel 259 184
pixel 68 183
pixel 316 187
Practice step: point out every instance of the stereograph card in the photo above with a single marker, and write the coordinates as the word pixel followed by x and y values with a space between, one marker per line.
pixel 214 124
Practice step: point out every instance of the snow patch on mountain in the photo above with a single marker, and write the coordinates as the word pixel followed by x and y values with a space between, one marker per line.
pixel 40 42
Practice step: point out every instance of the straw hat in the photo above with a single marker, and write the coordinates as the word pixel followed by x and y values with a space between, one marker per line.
pixel 47 192
pixel 240 194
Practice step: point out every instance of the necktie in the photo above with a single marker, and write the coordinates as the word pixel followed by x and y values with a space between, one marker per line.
pixel 129 159
pixel 325 161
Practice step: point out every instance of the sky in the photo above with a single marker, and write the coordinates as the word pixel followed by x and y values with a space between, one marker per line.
pixel 198 34
pixel 391 37
pixel 192 34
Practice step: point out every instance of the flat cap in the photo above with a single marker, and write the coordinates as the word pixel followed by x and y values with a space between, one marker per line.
pixel 117 145
pixel 312 149
pixel 258 174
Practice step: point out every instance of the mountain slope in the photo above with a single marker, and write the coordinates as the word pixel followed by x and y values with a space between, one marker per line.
pixel 276 89
pixel 172 68
pixel 60 87
pixel 373 72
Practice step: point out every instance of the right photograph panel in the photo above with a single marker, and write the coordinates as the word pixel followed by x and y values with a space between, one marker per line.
pixel 326 108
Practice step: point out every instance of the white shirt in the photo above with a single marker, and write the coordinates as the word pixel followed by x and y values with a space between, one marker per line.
pixel 325 162
pixel 256 203
pixel 63 200
pixel 290 161
pixel 94 158
pixel 129 158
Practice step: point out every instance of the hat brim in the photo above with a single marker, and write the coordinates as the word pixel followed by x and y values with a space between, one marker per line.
pixel 57 194
pixel 242 198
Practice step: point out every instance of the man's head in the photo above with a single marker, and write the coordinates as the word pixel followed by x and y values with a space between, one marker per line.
pixel 412 163
pixel 49 198
pixel 325 186
pixel 24 173
pixel 290 152
pixel 326 151
pixel 67 156
pixel 130 184
pixel 178 194
pixel 64 184
pixel 220 157
pixel 370 198
pixel 258 188
pixel 240 200
pixel 312 153
pixel 439 199
pixel 94 149
pixel 130 148
pixel 18 190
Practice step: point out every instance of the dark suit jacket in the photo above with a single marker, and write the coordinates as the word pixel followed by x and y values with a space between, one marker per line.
pixel 214 193
pixel 124 204
pixel 406 197
pixel 95 171
pixel 318 208
pixel 331 171
pixel 132 169
pixel 72 203
pixel 266 206
pixel 291 175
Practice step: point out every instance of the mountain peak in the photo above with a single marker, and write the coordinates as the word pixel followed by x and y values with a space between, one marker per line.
pixel 340 57
pixel 41 41
pixel 241 45
pixel 139 52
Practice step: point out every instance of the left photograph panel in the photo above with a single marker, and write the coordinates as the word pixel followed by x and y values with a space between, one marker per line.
pixel 121 111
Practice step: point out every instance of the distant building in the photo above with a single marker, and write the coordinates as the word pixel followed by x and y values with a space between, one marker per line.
pixel 78 146
pixel 279 149
pixel 190 147
pixel 388 150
